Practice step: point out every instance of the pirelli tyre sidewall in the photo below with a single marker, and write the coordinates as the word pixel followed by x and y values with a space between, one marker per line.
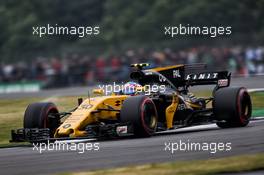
pixel 232 107
pixel 141 112
pixel 36 116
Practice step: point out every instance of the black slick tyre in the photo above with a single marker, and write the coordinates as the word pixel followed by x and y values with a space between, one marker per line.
pixel 232 107
pixel 36 116
pixel 141 112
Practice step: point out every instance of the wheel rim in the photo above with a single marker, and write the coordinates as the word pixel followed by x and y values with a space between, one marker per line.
pixel 48 123
pixel 244 107
pixel 149 116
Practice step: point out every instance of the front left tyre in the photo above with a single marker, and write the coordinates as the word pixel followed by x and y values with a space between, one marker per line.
pixel 42 115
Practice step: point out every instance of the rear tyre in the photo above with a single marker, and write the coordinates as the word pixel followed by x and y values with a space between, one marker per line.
pixel 36 116
pixel 141 112
pixel 232 107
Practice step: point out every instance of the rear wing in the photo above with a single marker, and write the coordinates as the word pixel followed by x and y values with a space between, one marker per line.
pixel 221 78
pixel 181 75
pixel 195 74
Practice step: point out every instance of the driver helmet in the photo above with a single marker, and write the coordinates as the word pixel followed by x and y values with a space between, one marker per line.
pixel 130 88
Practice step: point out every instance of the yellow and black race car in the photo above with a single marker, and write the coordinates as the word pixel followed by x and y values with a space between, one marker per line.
pixel 157 100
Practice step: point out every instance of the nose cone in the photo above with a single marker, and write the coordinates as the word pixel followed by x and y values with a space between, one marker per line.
pixel 75 123
pixel 65 130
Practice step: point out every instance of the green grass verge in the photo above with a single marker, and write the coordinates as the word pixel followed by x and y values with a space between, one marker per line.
pixel 201 167
pixel 12 111
pixel 256 97
pixel 258 112
pixel 258 103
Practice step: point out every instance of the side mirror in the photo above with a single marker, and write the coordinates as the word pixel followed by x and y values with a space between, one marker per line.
pixel 80 100
pixel 98 91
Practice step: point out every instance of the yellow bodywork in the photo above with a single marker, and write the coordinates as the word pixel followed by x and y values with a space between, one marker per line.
pixel 86 114
pixel 158 69
pixel 170 111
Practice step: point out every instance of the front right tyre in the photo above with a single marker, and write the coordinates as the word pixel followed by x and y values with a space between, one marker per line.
pixel 141 112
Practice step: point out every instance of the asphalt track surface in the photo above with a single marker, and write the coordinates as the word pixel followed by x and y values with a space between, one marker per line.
pixel 118 153
pixel 124 152
pixel 248 82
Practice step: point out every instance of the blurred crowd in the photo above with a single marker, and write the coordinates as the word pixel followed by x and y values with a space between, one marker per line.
pixel 75 70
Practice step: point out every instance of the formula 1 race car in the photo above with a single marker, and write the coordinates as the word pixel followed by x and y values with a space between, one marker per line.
pixel 145 110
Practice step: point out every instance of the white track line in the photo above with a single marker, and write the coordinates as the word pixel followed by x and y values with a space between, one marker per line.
pixel 50 99
pixel 74 141
pixel 256 90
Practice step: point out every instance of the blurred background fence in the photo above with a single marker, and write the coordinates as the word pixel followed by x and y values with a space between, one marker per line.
pixel 130 32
